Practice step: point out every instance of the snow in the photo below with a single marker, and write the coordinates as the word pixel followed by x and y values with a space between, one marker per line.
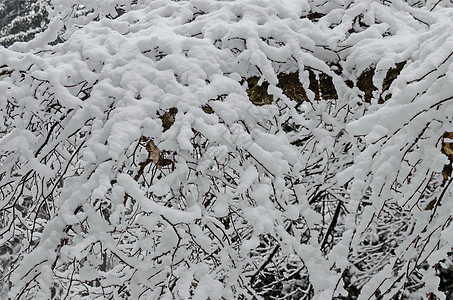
pixel 233 183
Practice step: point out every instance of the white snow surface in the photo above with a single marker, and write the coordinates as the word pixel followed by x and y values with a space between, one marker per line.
pixel 235 196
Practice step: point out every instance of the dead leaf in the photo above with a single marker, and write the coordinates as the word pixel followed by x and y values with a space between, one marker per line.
pixel 153 152
pixel 448 149
pixel 163 162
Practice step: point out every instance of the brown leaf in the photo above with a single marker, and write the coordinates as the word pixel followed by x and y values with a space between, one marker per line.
pixel 154 152
pixel 164 162
pixel 446 173
pixel 448 149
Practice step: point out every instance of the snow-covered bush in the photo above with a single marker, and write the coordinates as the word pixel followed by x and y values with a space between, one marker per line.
pixel 201 149
pixel 20 20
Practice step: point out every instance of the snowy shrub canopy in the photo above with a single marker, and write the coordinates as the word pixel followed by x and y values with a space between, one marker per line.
pixel 251 149
pixel 21 20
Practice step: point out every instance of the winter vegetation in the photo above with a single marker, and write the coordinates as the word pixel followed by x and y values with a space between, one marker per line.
pixel 247 149
pixel 20 20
